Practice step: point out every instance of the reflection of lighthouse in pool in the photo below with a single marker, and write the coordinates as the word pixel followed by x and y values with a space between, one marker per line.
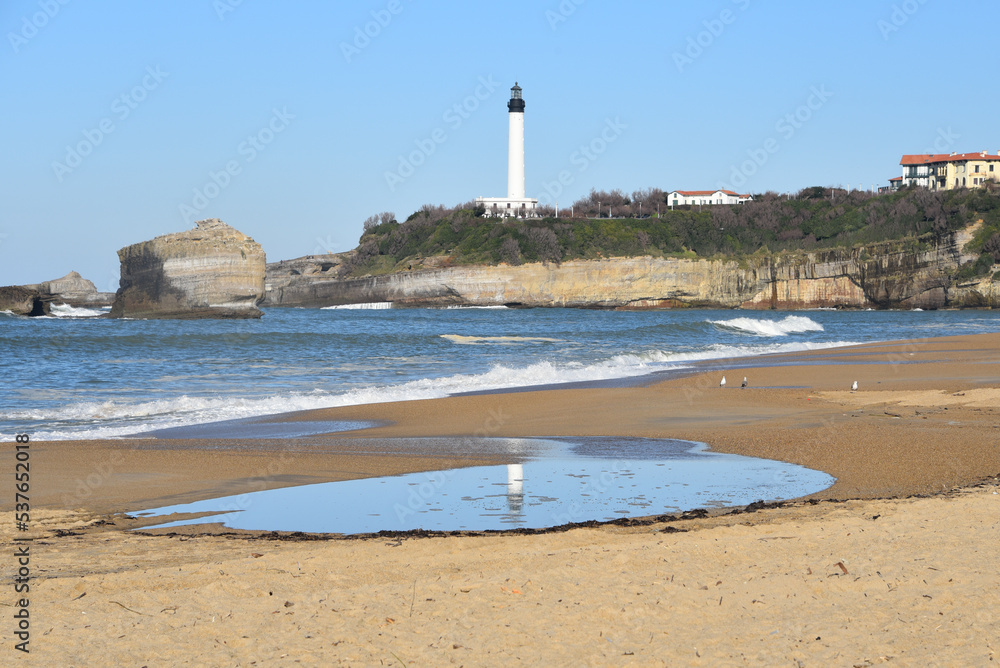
pixel 515 487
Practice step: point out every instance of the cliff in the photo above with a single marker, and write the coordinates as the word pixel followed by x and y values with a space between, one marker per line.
pixel 21 300
pixel 883 275
pixel 212 271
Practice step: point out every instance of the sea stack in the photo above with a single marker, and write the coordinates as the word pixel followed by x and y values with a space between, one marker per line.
pixel 212 271
pixel 20 300
pixel 74 290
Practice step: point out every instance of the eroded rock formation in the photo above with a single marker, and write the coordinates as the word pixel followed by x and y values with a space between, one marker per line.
pixel 20 300
pixel 884 275
pixel 212 271
pixel 73 289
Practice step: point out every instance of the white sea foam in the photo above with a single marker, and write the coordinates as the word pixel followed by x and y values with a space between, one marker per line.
pixel 789 325
pixel 92 420
pixel 369 306
pixel 67 311
pixel 473 340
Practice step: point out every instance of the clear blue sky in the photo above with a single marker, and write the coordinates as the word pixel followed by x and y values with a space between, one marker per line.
pixel 183 85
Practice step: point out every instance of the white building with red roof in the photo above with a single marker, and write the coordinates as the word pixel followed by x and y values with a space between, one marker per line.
pixel 947 171
pixel 705 197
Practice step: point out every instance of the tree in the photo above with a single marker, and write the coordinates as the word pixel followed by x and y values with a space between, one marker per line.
pixel 545 244
pixel 374 220
pixel 510 251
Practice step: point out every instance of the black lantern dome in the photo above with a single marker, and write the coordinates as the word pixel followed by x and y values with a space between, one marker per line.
pixel 516 104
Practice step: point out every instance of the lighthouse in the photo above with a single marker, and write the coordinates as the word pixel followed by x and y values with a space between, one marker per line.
pixel 515 204
pixel 515 144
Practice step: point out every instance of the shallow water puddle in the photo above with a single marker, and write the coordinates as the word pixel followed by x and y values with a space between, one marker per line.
pixel 557 482
pixel 257 427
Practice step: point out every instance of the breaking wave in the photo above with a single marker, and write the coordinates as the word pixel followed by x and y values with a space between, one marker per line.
pixel 115 419
pixel 472 340
pixel 67 311
pixel 792 324
pixel 369 306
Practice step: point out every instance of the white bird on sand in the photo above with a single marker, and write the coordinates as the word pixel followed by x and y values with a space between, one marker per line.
pixel 744 382
pixel 854 386
pixel 722 383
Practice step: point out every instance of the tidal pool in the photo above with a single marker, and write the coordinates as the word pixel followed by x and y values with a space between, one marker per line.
pixel 557 481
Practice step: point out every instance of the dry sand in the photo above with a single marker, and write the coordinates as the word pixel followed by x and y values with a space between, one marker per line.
pixel 875 577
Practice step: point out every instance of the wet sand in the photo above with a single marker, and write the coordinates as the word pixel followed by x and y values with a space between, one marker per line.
pixel 873 578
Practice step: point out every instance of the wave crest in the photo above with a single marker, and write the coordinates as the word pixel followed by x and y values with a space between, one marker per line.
pixel 472 340
pixel 113 419
pixel 792 324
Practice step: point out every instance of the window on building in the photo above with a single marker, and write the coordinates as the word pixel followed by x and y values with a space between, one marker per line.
pixel 991 168
pixel 963 181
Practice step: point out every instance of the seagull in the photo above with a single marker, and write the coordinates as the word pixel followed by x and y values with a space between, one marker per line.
pixel 744 382
pixel 722 383
pixel 854 386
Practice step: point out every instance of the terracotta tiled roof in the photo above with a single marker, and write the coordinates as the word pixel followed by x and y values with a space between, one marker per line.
pixel 702 193
pixel 978 155
pixel 922 158
pixel 896 178
pixel 926 159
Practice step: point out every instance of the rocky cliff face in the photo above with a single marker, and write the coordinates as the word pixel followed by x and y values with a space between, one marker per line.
pixel 212 271
pixel 21 300
pixel 877 276
pixel 73 289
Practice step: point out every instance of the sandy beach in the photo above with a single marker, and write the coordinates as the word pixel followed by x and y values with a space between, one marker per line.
pixel 897 562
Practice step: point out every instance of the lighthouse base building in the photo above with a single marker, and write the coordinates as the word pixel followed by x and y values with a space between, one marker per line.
pixel 504 207
pixel 515 204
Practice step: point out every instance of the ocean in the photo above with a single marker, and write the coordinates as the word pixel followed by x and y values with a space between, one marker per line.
pixel 74 375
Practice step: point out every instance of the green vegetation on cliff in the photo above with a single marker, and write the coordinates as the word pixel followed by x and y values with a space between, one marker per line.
pixel 814 219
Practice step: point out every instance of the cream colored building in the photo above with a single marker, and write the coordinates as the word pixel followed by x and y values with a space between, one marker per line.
pixel 943 171
pixel 705 197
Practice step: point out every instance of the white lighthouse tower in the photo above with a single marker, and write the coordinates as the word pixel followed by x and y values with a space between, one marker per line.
pixel 515 145
pixel 515 204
